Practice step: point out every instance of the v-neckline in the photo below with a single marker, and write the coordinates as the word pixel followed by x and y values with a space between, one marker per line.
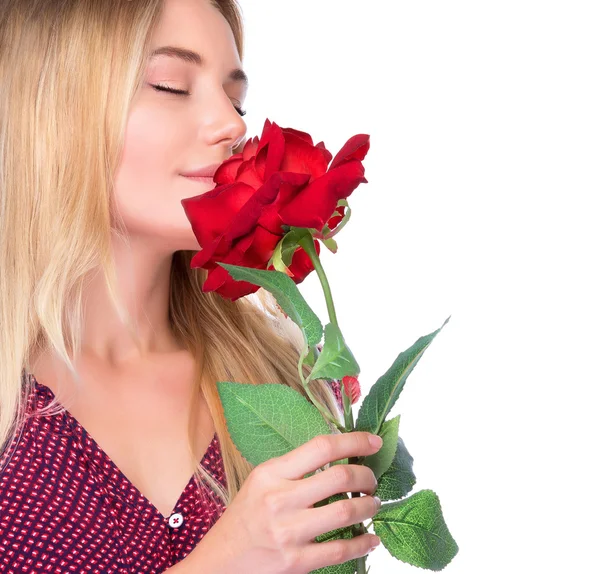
pixel 112 463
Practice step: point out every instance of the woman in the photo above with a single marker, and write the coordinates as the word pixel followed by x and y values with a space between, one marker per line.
pixel 110 350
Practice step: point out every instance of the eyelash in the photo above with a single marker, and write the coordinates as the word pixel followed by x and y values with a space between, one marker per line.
pixel 160 88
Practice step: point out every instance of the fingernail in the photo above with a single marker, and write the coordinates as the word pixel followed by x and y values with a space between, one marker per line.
pixel 375 440
pixel 377 500
pixel 376 544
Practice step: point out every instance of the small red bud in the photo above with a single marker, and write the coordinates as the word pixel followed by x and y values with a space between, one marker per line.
pixel 352 388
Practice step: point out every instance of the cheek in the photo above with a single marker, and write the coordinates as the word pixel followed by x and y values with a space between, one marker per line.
pixel 149 143
pixel 148 161
pixel 147 172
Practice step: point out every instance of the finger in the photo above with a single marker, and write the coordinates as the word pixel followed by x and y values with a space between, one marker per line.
pixel 320 554
pixel 334 480
pixel 339 514
pixel 321 450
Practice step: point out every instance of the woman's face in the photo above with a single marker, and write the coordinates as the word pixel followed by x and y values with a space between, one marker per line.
pixel 169 134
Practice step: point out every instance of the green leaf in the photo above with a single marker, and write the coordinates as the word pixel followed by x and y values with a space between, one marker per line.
pixel 287 295
pixel 336 359
pixel 398 480
pixel 337 534
pixel 268 420
pixel 325 502
pixel 413 530
pixel 349 567
pixel 380 461
pixel 385 392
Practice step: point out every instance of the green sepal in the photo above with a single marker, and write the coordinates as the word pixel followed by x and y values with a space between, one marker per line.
pixel 336 359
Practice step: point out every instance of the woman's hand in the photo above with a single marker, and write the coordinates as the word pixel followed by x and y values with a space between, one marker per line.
pixel 271 524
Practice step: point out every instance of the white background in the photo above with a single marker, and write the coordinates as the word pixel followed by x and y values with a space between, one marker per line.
pixel 481 204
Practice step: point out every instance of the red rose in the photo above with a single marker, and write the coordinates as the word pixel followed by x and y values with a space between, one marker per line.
pixel 281 179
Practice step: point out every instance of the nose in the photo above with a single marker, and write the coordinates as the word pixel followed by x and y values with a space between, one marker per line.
pixel 222 124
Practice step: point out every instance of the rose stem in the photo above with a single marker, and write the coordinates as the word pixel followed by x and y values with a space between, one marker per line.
pixel 307 243
pixel 314 400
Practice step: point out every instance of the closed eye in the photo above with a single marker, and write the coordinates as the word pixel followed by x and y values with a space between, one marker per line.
pixel 162 88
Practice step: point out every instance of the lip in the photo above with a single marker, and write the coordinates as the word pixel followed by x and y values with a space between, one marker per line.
pixel 206 172
pixel 202 179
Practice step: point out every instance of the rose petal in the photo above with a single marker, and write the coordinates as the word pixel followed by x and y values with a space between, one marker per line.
pixel 245 220
pixel 248 174
pixel 227 171
pixel 297 133
pixel 221 281
pixel 207 256
pixel 300 157
pixel 292 185
pixel 355 148
pixel 316 204
pixel 270 219
pixel 326 153
pixel 250 148
pixel 211 213
pixel 228 287
pixel 273 143
pixel 261 249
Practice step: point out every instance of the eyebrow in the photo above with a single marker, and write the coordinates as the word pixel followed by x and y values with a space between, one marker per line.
pixel 191 57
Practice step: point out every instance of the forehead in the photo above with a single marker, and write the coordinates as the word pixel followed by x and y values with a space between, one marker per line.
pixel 199 27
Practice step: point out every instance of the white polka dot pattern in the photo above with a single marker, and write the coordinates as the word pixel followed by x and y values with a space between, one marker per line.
pixel 66 507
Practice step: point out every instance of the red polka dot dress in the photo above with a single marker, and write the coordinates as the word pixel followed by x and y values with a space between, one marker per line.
pixel 66 507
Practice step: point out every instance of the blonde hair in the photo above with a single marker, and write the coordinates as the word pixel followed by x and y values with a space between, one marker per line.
pixel 63 108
